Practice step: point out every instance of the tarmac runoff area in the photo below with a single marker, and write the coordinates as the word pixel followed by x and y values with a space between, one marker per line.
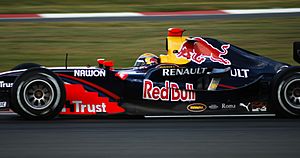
pixel 137 137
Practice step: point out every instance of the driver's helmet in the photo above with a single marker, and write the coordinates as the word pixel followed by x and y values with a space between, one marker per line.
pixel 146 59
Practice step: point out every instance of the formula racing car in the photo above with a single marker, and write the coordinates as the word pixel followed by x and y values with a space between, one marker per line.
pixel 197 77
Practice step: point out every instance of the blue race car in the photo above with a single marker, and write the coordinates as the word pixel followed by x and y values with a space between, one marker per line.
pixel 198 77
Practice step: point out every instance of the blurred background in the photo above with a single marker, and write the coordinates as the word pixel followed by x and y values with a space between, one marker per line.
pixel 123 41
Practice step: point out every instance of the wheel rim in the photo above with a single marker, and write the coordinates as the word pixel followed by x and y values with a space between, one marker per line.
pixel 38 94
pixel 292 93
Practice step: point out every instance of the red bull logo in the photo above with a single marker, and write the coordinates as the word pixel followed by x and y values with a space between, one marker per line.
pixel 198 50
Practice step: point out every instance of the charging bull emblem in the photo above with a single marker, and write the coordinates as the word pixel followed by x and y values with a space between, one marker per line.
pixel 198 50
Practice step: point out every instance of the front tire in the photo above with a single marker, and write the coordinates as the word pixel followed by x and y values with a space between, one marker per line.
pixel 38 94
pixel 26 66
pixel 286 92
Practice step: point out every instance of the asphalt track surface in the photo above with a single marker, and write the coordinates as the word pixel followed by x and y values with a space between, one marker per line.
pixel 155 18
pixel 137 137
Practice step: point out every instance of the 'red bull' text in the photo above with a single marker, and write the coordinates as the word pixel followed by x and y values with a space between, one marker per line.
pixel 170 92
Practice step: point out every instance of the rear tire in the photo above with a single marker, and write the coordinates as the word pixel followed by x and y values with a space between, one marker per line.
pixel 38 94
pixel 286 92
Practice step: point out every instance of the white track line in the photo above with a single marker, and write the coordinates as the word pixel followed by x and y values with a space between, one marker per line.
pixel 90 15
pixel 136 14
pixel 187 116
pixel 7 113
pixel 263 11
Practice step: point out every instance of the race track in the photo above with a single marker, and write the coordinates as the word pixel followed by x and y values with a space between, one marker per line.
pixel 136 138
pixel 153 138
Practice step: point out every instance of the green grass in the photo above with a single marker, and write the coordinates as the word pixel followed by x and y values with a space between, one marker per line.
pixel 67 6
pixel 47 43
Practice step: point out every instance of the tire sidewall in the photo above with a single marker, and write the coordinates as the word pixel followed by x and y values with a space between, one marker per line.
pixel 18 98
pixel 280 83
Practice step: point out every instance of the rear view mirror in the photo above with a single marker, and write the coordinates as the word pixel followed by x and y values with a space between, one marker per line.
pixel 296 54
